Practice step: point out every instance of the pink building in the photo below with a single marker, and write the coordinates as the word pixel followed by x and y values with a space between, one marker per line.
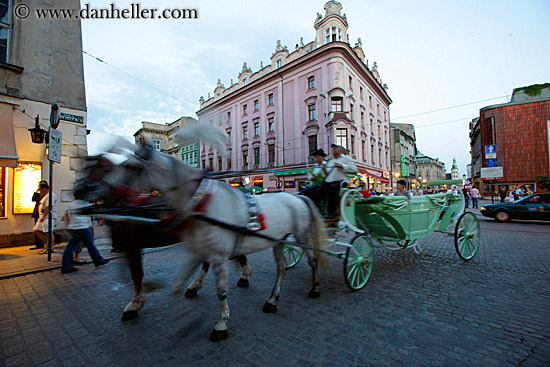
pixel 321 93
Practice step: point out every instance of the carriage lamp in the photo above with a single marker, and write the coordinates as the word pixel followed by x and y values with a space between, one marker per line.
pixel 37 134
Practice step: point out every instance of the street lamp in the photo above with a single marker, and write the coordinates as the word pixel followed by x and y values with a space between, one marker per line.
pixel 37 134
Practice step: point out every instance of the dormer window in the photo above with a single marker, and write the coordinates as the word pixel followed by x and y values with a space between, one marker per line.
pixel 279 63
pixel 244 82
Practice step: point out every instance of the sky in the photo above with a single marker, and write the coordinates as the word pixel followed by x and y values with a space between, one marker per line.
pixel 453 57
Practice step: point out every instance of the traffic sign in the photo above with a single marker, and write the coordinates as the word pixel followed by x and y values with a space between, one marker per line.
pixel 491 162
pixel 490 151
pixel 54 145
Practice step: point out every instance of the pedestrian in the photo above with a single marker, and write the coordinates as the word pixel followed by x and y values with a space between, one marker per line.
pixel 502 194
pixel 512 196
pixel 528 191
pixel 80 228
pixel 36 197
pixel 466 198
pixel 318 172
pixel 474 194
pixel 401 184
pixel 41 227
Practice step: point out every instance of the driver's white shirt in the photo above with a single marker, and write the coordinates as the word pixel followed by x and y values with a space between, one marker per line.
pixel 339 174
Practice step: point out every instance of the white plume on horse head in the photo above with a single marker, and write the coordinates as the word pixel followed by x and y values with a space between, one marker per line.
pixel 122 146
pixel 205 132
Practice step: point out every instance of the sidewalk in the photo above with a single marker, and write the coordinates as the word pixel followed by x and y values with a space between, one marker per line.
pixel 18 261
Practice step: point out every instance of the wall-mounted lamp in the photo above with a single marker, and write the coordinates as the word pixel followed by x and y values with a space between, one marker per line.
pixel 351 95
pixel 323 95
pixel 37 134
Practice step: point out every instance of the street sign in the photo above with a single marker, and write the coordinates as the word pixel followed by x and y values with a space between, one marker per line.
pixel 490 151
pixel 54 116
pixel 54 145
pixel 492 173
pixel 491 162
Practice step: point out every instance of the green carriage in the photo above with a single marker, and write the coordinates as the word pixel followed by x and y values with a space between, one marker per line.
pixel 395 222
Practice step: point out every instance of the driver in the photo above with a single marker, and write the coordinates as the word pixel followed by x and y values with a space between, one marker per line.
pixel 337 169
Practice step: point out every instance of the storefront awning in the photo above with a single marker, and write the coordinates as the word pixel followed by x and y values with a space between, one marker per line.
pixel 375 176
pixel 8 153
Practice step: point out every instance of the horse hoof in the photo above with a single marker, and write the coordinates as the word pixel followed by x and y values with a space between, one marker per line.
pixel 314 294
pixel 218 335
pixel 243 283
pixel 269 308
pixel 130 315
pixel 191 293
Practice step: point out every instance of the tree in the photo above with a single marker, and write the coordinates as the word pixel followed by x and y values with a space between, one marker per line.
pixel 543 182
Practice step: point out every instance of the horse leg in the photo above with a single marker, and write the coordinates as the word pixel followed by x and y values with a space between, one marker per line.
pixel 190 263
pixel 246 271
pixel 196 286
pixel 136 269
pixel 271 304
pixel 315 291
pixel 221 272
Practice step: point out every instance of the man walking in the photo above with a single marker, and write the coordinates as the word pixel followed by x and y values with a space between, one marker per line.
pixel 474 194
pixel 41 226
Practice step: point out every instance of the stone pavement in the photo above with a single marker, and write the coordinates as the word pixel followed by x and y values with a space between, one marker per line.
pixel 431 309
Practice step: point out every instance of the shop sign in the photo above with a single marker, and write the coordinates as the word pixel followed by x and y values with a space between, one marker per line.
pixel 291 172
pixel 71 118
pixel 492 173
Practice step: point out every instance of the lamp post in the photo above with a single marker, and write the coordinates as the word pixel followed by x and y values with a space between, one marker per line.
pixel 37 134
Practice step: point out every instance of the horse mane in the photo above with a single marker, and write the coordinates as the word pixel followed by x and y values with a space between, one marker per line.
pixel 205 132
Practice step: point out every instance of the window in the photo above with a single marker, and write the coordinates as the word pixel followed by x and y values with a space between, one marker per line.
pixel 211 163
pixel 245 132
pixel 371 127
pixel 311 82
pixel 256 128
pixel 362 120
pixel 204 163
pixel 370 101
pixel 363 152
pixel 342 137
pixel 380 157
pixel 352 144
pixel 5 13
pixel 245 110
pixel 270 99
pixel 244 82
pixel 279 63
pixel 336 104
pixel 256 105
pixel 228 163
pixel 312 143
pixel 379 137
pixel 361 92
pixel 156 144
pixel 372 153
pixel 384 115
pixel 271 124
pixel 350 82
pixel 257 156
pixel 333 34
pixel 271 153
pixel 378 109
pixel 220 163
pixel 312 116
pixel 229 116
pixel 351 110
pixel 245 158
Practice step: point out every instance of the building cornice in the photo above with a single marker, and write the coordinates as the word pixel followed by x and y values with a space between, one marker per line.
pixel 343 48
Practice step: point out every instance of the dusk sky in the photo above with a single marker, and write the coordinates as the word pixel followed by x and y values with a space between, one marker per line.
pixel 432 55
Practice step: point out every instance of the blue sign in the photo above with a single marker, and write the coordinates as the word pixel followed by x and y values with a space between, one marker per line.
pixel 490 149
pixel 491 162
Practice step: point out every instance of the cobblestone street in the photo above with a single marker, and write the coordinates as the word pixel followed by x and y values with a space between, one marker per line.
pixel 416 310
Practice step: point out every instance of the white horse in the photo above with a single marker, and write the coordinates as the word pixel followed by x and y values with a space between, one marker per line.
pixel 218 232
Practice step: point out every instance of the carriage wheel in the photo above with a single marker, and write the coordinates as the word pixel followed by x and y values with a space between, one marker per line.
pixel 467 236
pixel 292 253
pixel 358 262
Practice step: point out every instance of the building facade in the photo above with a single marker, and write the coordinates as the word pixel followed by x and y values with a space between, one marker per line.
pixel 519 130
pixel 162 137
pixel 321 93
pixel 429 169
pixel 403 154
pixel 40 64
pixel 475 152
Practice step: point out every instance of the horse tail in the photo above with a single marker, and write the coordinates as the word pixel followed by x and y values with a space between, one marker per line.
pixel 318 231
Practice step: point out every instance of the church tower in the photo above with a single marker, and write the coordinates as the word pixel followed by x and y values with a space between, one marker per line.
pixel 454 170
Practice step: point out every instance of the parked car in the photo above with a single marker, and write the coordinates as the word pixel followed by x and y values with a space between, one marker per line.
pixel 535 207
